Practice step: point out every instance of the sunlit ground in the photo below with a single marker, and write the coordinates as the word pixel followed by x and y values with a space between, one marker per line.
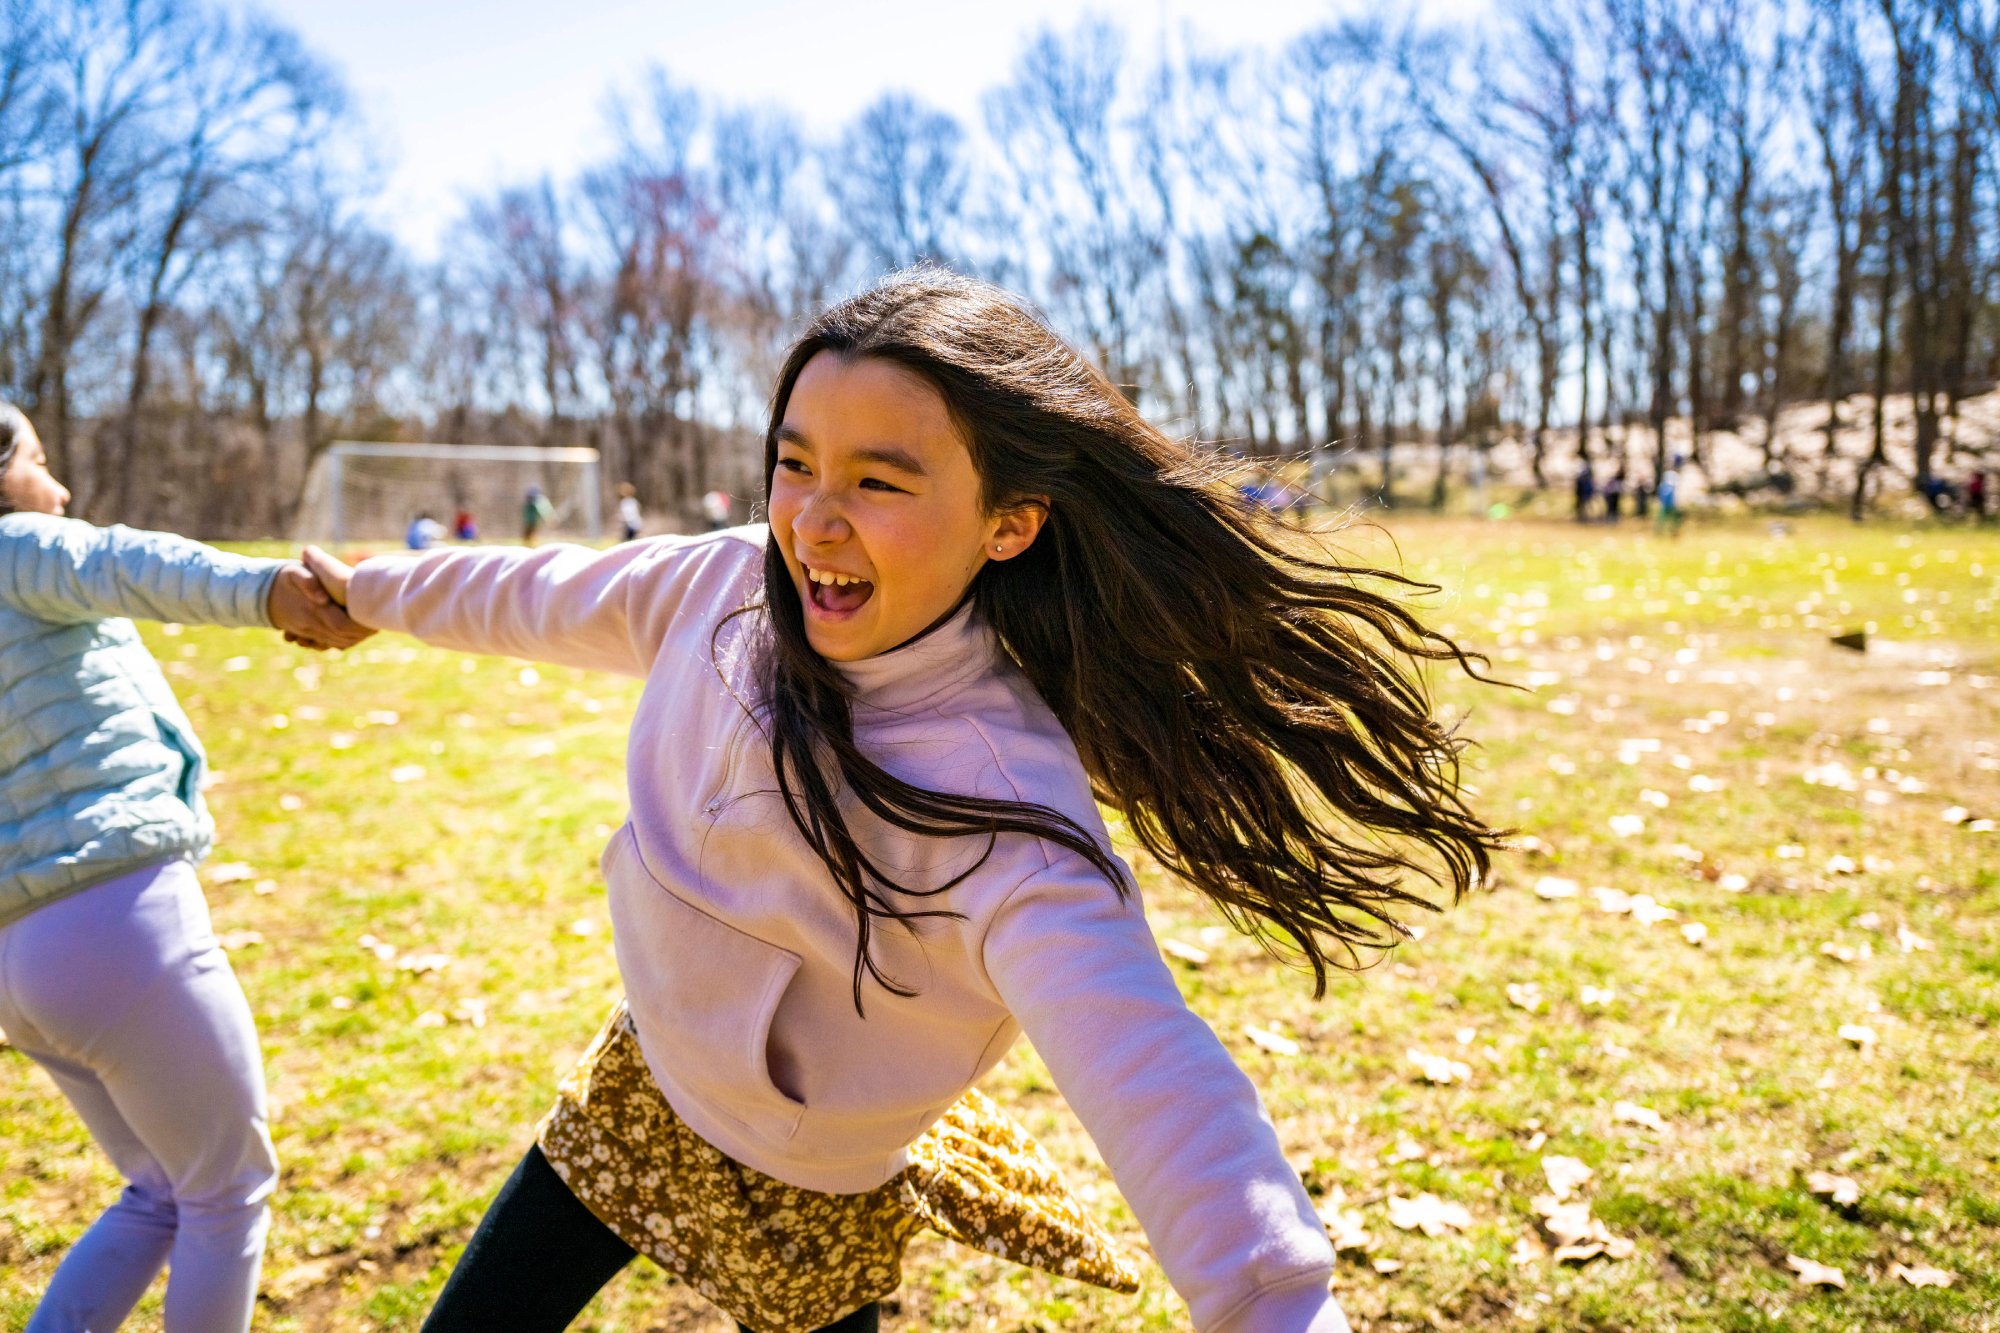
pixel 1747 949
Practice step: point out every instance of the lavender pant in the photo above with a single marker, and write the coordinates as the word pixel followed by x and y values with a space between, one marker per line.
pixel 122 995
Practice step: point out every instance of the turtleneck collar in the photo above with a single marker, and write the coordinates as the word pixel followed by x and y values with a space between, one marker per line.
pixel 943 657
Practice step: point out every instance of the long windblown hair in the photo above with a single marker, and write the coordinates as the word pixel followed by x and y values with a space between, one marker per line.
pixel 1254 708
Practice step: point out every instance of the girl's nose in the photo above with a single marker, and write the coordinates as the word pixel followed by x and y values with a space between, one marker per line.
pixel 820 521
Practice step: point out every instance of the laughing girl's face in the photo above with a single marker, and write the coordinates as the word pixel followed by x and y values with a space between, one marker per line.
pixel 876 506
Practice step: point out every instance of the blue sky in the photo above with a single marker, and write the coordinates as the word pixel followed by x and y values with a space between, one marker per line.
pixel 462 94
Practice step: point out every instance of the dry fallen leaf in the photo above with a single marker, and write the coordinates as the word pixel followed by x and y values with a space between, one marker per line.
pixel 1847 953
pixel 1628 826
pixel 1553 887
pixel 407 773
pixel 1837 1189
pixel 1921 1276
pixel 1814 1274
pixel 1695 933
pixel 1427 1213
pixel 1648 912
pixel 1407 1149
pixel 1615 901
pixel 1579 1237
pixel 1733 883
pixel 431 1018
pixel 1632 1113
pixel 229 872
pixel 1439 1068
pixel 1271 1041
pixel 1387 1266
pixel 471 1010
pixel 1860 1034
pixel 232 940
pixel 1565 1174
pixel 422 963
pixel 1593 997
pixel 1528 1249
pixel 1526 995
pixel 1187 953
pixel 1345 1227
pixel 1910 941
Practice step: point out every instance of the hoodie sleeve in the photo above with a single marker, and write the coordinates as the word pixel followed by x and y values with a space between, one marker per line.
pixel 570 605
pixel 1179 1124
pixel 66 571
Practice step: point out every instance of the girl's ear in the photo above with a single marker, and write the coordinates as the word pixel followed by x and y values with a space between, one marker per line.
pixel 1015 530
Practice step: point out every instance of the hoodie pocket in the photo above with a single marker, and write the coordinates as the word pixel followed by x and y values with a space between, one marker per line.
pixel 702 994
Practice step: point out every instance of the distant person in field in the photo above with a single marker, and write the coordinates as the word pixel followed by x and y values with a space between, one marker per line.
pixel 1585 487
pixel 424 532
pixel 1614 494
pixel 716 508
pixel 1941 495
pixel 865 850
pixel 630 517
pixel 464 526
pixel 536 513
pixel 1975 495
pixel 1667 500
pixel 110 975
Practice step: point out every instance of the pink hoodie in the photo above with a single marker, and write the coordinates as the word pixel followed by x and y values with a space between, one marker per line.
pixel 737 948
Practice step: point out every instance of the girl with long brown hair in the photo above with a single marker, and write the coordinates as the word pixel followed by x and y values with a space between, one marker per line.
pixel 865 850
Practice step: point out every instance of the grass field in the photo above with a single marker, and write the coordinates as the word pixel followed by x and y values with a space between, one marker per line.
pixel 407 873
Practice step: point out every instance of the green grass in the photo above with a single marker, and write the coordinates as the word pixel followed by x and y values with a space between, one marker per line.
pixel 394 1132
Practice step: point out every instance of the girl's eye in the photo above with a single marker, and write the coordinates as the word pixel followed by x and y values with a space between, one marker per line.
pixel 796 465
pixel 877 484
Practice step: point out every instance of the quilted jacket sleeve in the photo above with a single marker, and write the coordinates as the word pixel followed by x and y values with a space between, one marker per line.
pixel 66 571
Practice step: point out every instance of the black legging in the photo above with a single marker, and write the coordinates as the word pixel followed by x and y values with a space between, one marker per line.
pixel 539 1257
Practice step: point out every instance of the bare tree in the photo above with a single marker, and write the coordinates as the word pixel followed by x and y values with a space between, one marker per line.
pixel 898 175
pixel 116 64
pixel 1053 122
pixel 250 103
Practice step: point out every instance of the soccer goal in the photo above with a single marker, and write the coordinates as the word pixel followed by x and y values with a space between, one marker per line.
pixel 360 491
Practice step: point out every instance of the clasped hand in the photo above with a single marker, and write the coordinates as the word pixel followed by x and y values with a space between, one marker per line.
pixel 309 603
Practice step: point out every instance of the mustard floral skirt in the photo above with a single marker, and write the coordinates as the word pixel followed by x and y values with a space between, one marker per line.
pixel 787 1260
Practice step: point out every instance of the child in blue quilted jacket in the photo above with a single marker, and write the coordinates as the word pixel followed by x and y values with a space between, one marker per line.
pixel 110 976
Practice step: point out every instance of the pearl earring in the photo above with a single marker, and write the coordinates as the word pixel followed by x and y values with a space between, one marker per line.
pixel 999 550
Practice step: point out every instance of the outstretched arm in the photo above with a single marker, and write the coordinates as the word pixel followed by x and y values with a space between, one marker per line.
pixel 1178 1123
pixel 572 605
pixel 66 571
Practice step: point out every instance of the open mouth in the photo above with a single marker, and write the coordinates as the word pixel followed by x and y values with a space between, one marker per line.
pixel 837 593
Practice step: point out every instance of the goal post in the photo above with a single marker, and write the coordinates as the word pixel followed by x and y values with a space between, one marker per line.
pixel 366 491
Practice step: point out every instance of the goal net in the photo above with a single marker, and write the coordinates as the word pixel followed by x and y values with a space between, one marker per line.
pixel 373 492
